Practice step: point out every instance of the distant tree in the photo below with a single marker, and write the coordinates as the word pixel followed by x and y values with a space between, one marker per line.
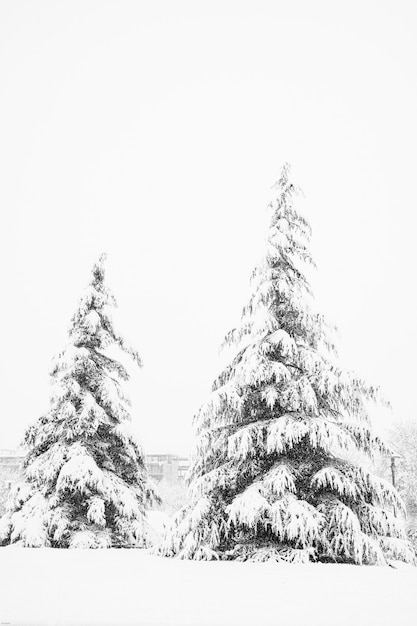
pixel 402 437
pixel 86 483
pixel 173 496
pixel 269 478
pixel 3 496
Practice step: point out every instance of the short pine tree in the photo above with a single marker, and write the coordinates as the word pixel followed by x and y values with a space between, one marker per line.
pixel 269 477
pixel 85 483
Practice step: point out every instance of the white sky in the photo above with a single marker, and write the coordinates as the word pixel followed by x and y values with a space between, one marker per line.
pixel 154 131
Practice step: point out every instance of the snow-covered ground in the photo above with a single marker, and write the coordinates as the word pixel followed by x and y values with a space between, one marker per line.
pixel 46 586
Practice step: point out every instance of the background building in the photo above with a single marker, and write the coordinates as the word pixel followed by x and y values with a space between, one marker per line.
pixel 11 466
pixel 166 467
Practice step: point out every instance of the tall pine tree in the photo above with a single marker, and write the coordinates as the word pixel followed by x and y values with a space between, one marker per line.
pixel 269 478
pixel 85 483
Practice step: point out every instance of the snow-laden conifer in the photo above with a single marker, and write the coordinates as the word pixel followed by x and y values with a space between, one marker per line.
pixel 269 479
pixel 86 483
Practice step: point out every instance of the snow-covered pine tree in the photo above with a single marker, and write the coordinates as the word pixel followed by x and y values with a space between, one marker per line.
pixel 269 477
pixel 86 483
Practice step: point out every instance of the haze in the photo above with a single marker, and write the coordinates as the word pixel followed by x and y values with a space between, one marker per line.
pixel 154 131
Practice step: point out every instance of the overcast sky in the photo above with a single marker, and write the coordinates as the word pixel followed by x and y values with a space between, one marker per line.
pixel 154 131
